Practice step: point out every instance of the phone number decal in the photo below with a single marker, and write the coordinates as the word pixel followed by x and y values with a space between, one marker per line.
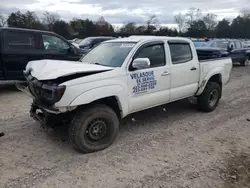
pixel 145 81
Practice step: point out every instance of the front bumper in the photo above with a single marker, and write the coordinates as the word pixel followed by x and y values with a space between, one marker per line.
pixel 42 115
pixel 48 119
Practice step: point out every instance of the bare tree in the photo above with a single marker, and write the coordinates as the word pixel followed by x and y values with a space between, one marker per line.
pixel 180 20
pixel 210 21
pixel 192 15
pixel 129 28
pixel 49 19
pixel 101 21
pixel 245 13
pixel 151 24
pixel 3 20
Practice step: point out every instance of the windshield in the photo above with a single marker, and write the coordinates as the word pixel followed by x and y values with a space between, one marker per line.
pixel 109 54
pixel 217 44
pixel 85 42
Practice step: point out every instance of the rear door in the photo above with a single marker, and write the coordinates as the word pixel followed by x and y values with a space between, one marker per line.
pixel 184 70
pixel 149 87
pixel 19 47
pixel 56 48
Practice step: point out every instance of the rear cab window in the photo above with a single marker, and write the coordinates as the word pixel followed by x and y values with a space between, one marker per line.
pixel 180 52
pixel 20 40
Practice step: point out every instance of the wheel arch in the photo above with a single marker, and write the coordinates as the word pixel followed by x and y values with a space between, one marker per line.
pixel 213 77
pixel 113 96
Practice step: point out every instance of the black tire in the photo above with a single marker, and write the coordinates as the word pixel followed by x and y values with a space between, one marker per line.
pixel 245 62
pixel 205 102
pixel 82 129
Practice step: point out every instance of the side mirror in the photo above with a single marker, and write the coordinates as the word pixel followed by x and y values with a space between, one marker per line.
pixel 141 63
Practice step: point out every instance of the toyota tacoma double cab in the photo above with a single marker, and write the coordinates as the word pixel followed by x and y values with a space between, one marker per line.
pixel 117 78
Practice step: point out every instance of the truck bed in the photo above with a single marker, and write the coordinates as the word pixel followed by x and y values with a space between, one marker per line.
pixel 224 63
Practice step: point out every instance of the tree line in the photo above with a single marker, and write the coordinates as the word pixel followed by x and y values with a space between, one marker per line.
pixel 192 24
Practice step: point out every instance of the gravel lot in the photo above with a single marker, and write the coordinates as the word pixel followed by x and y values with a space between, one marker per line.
pixel 169 146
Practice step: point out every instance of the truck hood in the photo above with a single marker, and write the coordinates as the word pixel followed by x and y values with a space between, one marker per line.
pixel 53 69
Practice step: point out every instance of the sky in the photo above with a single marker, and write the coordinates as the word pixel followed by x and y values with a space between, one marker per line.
pixel 124 11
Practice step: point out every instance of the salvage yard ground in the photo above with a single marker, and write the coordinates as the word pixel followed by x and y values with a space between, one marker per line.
pixel 169 146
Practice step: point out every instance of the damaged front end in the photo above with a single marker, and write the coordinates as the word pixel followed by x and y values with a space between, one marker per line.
pixel 48 119
pixel 45 94
pixel 45 86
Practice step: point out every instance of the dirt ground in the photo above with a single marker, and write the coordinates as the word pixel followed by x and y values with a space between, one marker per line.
pixel 169 146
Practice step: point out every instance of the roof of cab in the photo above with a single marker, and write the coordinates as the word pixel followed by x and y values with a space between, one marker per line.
pixel 138 38
pixel 22 29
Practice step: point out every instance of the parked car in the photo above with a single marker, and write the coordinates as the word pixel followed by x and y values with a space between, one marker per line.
pixel 117 78
pixel 246 44
pixel 19 46
pixel 225 48
pixel 88 43
pixel 199 42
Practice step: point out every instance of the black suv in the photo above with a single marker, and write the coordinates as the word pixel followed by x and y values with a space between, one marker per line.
pixel 224 48
pixel 19 46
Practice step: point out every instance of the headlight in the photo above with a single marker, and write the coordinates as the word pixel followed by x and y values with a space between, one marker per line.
pixel 52 94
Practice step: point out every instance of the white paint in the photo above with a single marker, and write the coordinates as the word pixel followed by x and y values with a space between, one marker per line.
pixel 52 69
pixel 174 82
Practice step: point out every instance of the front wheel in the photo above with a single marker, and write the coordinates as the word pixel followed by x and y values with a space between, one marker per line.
pixel 94 129
pixel 210 97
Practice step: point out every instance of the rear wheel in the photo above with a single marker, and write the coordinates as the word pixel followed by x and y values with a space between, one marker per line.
pixel 210 97
pixel 94 129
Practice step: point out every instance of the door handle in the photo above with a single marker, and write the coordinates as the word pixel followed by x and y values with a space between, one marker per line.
pixel 193 68
pixel 166 73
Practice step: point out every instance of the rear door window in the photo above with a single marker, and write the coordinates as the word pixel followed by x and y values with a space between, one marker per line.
pixel 15 40
pixel 180 53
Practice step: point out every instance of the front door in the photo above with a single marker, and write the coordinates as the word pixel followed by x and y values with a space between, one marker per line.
pixel 149 87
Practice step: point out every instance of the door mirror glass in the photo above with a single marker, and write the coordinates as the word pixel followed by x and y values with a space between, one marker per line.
pixel 141 63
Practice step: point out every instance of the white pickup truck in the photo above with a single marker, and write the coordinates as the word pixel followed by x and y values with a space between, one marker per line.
pixel 117 78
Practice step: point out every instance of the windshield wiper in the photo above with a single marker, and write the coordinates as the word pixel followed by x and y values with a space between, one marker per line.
pixel 99 64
